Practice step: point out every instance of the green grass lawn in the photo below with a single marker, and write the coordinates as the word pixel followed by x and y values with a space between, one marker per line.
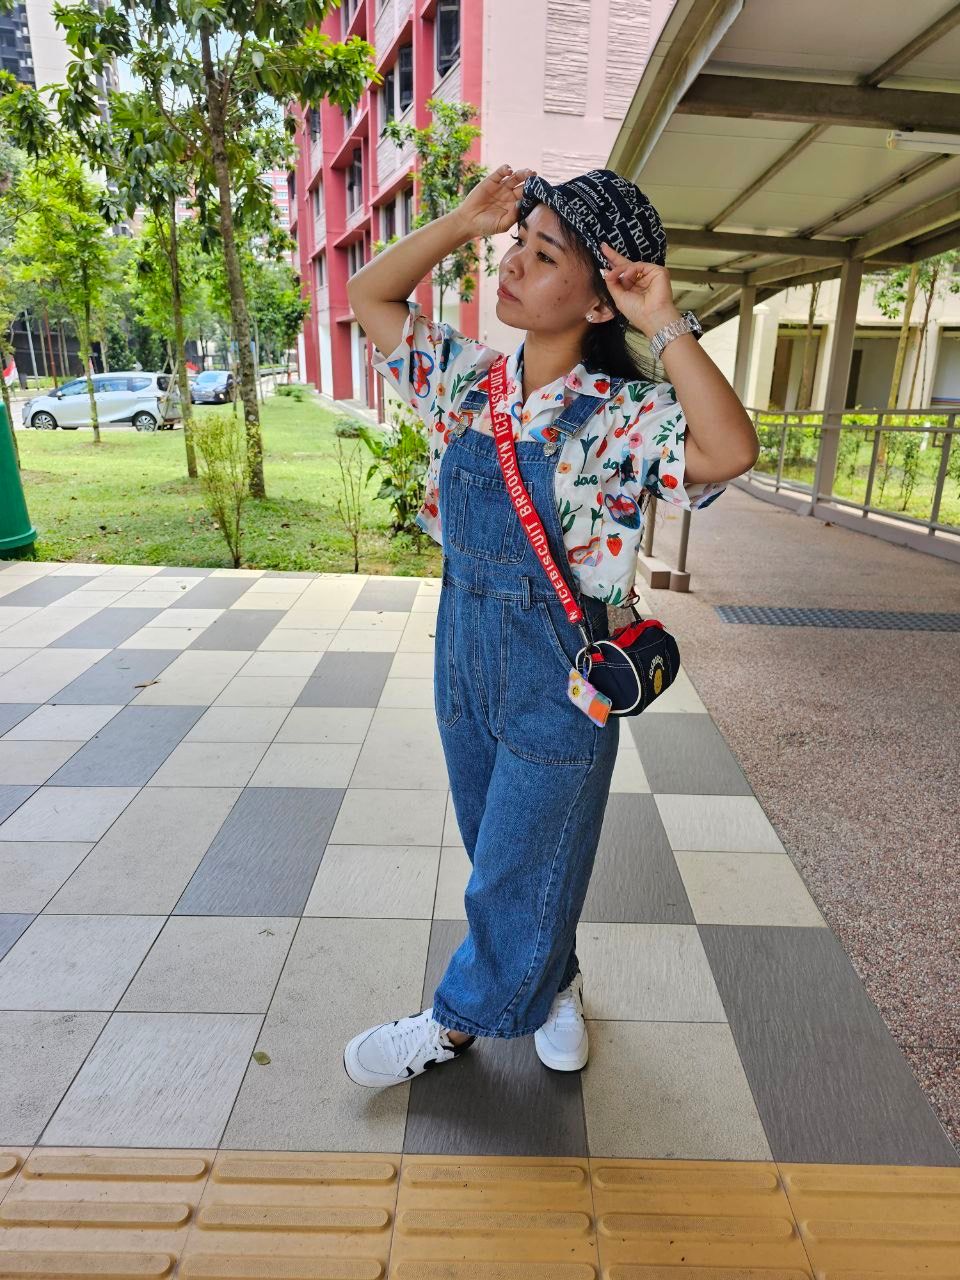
pixel 128 501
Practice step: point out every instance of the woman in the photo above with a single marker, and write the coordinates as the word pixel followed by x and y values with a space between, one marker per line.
pixel 529 772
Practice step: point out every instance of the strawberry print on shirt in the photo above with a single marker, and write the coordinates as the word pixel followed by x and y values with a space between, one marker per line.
pixel 635 442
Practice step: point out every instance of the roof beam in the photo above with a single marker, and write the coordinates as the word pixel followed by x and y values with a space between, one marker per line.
pixel 821 102
pixel 785 271
pixel 755 242
pixel 943 243
pixel 703 275
pixel 910 225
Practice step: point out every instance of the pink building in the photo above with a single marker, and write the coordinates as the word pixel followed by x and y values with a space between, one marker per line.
pixel 551 81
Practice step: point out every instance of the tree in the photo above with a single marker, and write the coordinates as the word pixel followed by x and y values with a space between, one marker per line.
pixel 223 67
pixel 63 244
pixel 445 178
pixel 894 294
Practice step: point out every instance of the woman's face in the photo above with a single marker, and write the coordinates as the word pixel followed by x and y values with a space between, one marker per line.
pixel 552 286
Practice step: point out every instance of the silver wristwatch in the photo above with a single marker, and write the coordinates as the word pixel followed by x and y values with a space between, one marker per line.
pixel 687 323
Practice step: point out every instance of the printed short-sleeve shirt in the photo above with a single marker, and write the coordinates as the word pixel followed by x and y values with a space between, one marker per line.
pixel 634 443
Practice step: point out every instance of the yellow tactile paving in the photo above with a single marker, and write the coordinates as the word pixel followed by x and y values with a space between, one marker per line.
pixel 373 1216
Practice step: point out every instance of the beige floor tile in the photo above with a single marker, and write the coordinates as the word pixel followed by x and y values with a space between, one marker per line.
pixel 455 869
pixel 451 829
pixel 375 881
pixel 277 600
pixel 209 764
pixel 31 872
pixel 261 691
pixel 326 724
pixel 289 663
pixel 194 619
pixel 747 889
pixel 412 666
pixel 418 635
pixel 680 696
pixel 402 749
pixel 360 641
pixel 648 973
pixel 311 618
pixel 389 817
pixel 237 724
pixel 401 692
pixel 37 679
pixel 668 1091
pixel 212 964
pixel 326 996
pixel 193 679
pixel 40 1053
pixel 45 626
pixel 161 637
pixel 628 774
pixel 375 620
pixel 291 587
pixel 302 639
pixel 717 823
pixel 67 813
pixel 24 764
pixel 66 722
pixel 10 658
pixel 91 597
pixel 306 764
pixel 11 613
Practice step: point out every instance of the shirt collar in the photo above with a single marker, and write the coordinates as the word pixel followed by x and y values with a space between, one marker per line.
pixel 579 379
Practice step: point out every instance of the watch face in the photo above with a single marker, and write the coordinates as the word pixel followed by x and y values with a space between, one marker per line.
pixel 692 318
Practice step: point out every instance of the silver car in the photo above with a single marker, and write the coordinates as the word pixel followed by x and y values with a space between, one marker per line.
pixel 145 399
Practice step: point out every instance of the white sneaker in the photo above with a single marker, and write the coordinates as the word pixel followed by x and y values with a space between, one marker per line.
pixel 394 1052
pixel 562 1041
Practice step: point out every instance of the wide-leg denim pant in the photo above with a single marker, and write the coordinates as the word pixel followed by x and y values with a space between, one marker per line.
pixel 529 772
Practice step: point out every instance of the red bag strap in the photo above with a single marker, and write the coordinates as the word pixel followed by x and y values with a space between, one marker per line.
pixel 532 524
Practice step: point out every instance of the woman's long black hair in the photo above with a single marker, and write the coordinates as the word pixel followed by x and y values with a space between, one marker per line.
pixel 605 346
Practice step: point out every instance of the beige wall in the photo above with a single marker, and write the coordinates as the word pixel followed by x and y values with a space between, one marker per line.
pixel 559 76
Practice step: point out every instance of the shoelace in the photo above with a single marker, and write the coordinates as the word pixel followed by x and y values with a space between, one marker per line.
pixel 408 1042
pixel 565 1007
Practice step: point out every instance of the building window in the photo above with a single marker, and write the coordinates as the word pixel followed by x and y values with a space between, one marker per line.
pixel 291 188
pixel 406 221
pixel 354 257
pixel 355 182
pixel 388 98
pixel 389 220
pixel 314 124
pixel 447 26
pixel 348 11
pixel 321 270
pixel 405 76
pixel 317 200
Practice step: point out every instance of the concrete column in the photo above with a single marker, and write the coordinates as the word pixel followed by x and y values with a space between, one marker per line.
pixel 748 298
pixel 838 375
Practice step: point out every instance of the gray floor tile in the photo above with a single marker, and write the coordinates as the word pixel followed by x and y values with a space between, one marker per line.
pixel 11 798
pixel 381 593
pixel 115 677
pixel 130 749
pixel 831 1084
pixel 12 713
pixel 157 1080
pixel 175 571
pixel 11 927
pixel 635 877
pixel 686 753
pixel 669 1091
pixel 212 964
pixel 75 963
pixel 265 858
pixel 237 628
pixel 72 722
pixel 32 871
pixel 40 1053
pixel 498 1099
pixel 325 996
pixel 105 630
pixel 147 858
pixel 347 680
pixel 214 593
pixel 65 813
pixel 44 590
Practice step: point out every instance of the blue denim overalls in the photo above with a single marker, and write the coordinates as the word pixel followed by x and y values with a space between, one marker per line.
pixel 529 772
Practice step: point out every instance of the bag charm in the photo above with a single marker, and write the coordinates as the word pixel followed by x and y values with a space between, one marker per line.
pixel 639 660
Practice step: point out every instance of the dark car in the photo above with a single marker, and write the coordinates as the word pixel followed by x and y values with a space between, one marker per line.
pixel 213 386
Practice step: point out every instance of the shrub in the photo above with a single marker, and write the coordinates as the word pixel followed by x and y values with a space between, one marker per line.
pixel 221 443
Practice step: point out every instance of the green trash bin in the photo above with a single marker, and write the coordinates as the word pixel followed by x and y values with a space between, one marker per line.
pixel 16 531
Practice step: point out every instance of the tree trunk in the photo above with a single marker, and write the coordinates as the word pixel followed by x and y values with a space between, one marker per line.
pixel 809 352
pixel 84 335
pixel 897 378
pixel 183 384
pixel 216 120
pixel 929 293
pixel 53 363
pixel 8 403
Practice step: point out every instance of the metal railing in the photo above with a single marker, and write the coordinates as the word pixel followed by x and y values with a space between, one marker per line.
pixel 791 442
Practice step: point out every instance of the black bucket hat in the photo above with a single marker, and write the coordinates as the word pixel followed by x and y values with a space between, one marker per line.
pixel 601 205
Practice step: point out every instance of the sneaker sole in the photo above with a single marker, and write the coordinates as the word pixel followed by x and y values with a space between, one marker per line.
pixel 560 1062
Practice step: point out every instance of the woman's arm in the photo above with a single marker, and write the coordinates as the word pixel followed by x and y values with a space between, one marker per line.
pixel 378 292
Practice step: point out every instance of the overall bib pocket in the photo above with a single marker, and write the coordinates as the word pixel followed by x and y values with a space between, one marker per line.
pixel 482 523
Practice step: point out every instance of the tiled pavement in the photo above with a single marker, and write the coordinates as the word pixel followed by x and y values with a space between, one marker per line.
pixel 221 833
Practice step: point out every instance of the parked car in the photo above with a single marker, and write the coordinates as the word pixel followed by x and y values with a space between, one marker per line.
pixel 145 399
pixel 213 386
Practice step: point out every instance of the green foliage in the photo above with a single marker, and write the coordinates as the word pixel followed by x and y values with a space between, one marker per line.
pixel 891 285
pixel 295 390
pixel 119 355
pixel 401 455
pixel 220 441
pixel 445 178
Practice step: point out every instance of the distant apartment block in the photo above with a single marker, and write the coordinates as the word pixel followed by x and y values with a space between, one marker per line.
pixel 551 81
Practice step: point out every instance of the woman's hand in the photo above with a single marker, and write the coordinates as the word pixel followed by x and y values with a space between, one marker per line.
pixel 641 290
pixel 492 205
